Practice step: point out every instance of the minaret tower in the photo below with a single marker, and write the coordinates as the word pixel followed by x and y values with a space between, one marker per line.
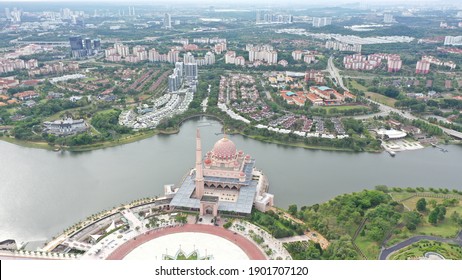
pixel 199 173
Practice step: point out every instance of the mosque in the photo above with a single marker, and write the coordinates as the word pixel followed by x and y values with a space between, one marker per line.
pixel 223 181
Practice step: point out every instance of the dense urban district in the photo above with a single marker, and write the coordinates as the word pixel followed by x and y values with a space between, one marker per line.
pixel 346 79
pixel 349 78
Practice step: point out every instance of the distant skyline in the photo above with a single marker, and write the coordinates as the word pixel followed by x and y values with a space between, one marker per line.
pixel 252 3
pixel 233 4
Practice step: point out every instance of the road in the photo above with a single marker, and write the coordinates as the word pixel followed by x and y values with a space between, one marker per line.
pixel 384 109
pixel 386 252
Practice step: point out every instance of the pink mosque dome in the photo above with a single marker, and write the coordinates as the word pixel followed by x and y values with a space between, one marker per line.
pixel 224 149
pixel 208 161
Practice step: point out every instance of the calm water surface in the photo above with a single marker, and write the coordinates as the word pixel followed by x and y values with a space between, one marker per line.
pixel 43 192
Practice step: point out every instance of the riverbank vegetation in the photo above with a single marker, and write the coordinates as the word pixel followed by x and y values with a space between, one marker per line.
pixel 276 225
pixel 367 220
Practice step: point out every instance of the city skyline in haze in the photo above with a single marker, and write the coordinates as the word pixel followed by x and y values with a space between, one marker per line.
pixel 253 3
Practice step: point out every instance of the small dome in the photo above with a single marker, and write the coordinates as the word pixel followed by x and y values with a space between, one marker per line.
pixel 224 149
pixel 242 174
pixel 208 161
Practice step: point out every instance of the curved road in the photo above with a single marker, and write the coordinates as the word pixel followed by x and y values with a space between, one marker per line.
pixel 386 252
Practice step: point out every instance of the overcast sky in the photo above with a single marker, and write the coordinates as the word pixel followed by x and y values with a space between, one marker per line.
pixel 252 2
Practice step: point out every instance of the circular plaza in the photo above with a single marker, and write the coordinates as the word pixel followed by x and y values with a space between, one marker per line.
pixel 190 241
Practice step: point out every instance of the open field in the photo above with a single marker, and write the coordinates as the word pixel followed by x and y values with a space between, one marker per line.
pixel 374 96
pixel 369 248
pixel 358 86
pixel 343 108
pixel 71 111
pixel 381 98
pixel 446 228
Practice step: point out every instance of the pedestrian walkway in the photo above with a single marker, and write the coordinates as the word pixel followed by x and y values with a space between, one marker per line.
pixel 131 218
pixel 269 244
pixel 296 238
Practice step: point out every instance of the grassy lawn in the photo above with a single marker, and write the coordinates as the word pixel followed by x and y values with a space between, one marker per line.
pixel 397 196
pixel 343 108
pixel 374 96
pixel 143 97
pixel 70 111
pixel 417 250
pixel 39 145
pixel 370 248
pixel 446 228
pixel 12 110
pixel 381 98
pixel 358 86
pixel 89 79
pixel 410 203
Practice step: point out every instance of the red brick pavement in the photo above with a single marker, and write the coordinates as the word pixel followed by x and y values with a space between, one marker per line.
pixel 252 251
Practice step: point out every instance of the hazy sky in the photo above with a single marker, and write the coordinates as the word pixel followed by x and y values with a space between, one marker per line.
pixel 252 2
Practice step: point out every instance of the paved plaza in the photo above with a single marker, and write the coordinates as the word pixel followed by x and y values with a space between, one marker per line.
pixel 216 247
pixel 402 145
pixel 222 244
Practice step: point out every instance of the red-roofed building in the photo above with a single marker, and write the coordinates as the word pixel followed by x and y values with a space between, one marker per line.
pixel 30 82
pixel 338 96
pixel 314 99
pixel 448 84
pixel 108 91
pixel 26 95
pixel 287 98
pixel 329 96
pixel 299 100
pixel 349 95
pixel 6 83
pixel 190 47
pixel 323 92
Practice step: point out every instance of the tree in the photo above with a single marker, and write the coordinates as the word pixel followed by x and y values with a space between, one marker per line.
pixel 391 92
pixel 441 212
pixel 421 205
pixel 181 218
pixel 411 220
pixel 455 217
pixel 433 217
pixel 341 249
pixel 382 188
pixel 292 209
